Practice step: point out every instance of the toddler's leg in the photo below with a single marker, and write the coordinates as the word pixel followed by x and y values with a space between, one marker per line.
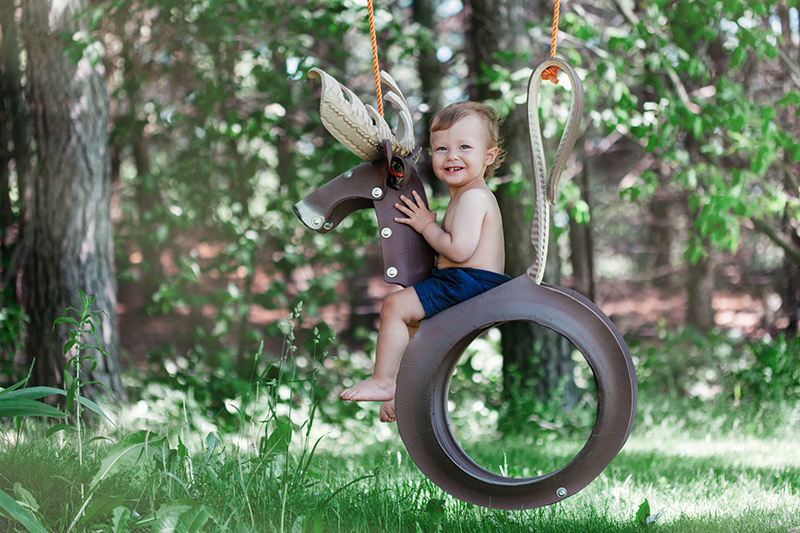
pixel 400 309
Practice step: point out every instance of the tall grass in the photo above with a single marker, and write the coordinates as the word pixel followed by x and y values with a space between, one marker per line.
pixel 170 465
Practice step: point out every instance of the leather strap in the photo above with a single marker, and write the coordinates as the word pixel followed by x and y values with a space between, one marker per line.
pixel 544 185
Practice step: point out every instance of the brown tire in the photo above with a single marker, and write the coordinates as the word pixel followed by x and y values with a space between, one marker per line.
pixel 428 363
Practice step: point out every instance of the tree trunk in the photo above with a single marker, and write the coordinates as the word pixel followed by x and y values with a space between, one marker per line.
pixel 69 224
pixel 700 292
pixel 13 145
pixel 13 154
pixel 582 244
pixel 9 92
pixel 430 75
pixel 700 288
pixel 791 287
pixel 495 26
pixel 660 233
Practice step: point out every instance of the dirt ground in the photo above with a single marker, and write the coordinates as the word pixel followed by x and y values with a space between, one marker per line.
pixel 637 309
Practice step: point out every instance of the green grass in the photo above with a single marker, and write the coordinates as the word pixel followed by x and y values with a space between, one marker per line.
pixel 721 483
pixel 268 461
pixel 710 485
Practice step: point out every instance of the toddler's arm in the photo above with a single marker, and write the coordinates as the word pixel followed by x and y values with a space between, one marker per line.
pixel 462 240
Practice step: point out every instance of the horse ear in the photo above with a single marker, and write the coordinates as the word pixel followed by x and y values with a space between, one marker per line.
pixel 359 127
pixel 387 151
pixel 403 139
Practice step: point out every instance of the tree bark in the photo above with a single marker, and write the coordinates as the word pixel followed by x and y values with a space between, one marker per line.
pixel 700 292
pixel 13 144
pixel 495 26
pixel 581 243
pixel 69 223
pixel 9 90
pixel 661 235
pixel 13 154
pixel 430 75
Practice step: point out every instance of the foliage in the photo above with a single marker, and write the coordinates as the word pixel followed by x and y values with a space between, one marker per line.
pixel 269 472
pixel 16 401
pixel 141 458
pixel 13 324
pixel 683 79
pixel 722 381
pixel 725 483
pixel 214 145
pixel 214 138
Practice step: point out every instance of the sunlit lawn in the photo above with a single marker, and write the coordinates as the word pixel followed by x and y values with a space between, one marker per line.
pixel 720 483
pixel 699 465
pixel 723 483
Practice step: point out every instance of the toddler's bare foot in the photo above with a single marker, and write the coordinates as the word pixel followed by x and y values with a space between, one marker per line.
pixel 387 412
pixel 371 389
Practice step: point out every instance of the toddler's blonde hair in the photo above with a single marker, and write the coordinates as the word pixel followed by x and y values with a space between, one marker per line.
pixel 449 115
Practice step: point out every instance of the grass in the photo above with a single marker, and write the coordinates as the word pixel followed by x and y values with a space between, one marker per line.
pixel 272 465
pixel 719 483
pixel 705 485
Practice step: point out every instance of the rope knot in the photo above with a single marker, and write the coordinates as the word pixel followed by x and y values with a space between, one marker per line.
pixel 551 74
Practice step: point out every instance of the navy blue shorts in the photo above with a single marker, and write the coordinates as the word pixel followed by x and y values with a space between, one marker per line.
pixel 449 286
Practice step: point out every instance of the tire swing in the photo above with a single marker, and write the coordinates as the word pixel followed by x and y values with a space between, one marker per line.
pixel 432 354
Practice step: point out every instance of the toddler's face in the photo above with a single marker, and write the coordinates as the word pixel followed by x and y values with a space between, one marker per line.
pixel 461 154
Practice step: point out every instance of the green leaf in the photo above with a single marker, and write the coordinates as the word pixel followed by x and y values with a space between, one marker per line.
pixel 738 56
pixel 766 117
pixel 168 516
pixel 652 143
pixel 93 407
pixel 16 512
pixel 643 512
pixel 278 441
pixel 435 510
pixel 24 407
pixel 193 520
pixel 100 507
pixel 71 406
pixel 25 498
pixel 795 155
pixel 35 393
pixel 129 452
pixel 211 443
pixel 122 515
pixel 13 387
pixel 68 345
pixel 60 427
pixel 66 320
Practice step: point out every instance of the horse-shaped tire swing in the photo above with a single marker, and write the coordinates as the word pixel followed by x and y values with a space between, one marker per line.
pixel 432 354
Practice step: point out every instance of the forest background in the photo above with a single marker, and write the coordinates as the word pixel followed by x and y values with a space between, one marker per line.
pixel 150 154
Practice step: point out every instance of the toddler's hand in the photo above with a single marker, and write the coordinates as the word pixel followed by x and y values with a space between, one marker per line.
pixel 418 216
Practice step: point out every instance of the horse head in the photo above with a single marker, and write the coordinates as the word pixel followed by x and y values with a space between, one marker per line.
pixel 388 172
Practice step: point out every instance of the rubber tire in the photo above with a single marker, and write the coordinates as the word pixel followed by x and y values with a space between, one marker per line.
pixel 431 356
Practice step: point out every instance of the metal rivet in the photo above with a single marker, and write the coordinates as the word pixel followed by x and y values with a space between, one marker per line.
pixel 316 222
pixel 348 174
pixel 377 192
pixel 391 272
pixel 328 225
pixel 386 233
pixel 561 492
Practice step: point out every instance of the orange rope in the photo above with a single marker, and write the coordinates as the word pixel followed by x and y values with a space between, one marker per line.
pixel 551 73
pixel 375 66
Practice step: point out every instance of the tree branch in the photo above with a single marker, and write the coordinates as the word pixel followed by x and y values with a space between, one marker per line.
pixel 791 252
pixel 683 94
pixel 794 70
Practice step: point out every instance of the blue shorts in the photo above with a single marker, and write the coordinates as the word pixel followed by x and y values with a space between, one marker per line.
pixel 449 286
